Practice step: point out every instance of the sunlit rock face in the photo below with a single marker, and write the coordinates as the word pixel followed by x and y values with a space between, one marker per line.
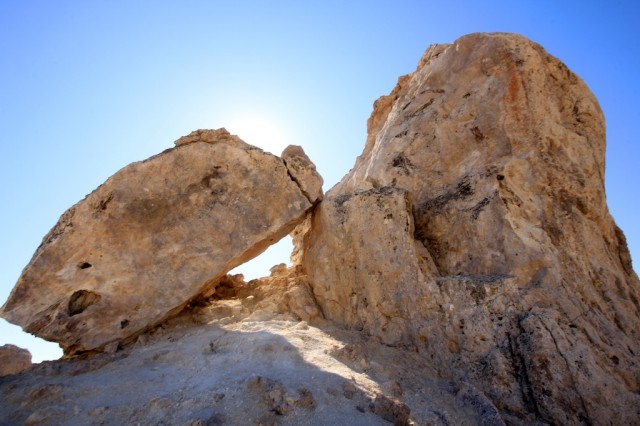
pixel 365 265
pixel 154 236
pixel 508 269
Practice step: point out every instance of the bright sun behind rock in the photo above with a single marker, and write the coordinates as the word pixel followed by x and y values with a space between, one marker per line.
pixel 261 131
pixel 268 134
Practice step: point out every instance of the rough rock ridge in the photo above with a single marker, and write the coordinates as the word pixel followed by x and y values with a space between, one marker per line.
pixel 474 227
pixel 155 235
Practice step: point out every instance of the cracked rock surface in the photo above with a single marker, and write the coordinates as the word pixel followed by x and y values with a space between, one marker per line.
pixel 153 236
pixel 504 265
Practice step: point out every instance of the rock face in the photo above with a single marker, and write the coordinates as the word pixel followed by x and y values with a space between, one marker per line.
pixel 155 235
pixel 13 360
pixel 303 172
pixel 363 262
pixel 474 227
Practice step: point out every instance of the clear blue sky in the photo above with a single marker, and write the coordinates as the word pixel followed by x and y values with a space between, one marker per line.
pixel 87 87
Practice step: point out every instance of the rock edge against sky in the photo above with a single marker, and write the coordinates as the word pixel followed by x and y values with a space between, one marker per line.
pixel 472 234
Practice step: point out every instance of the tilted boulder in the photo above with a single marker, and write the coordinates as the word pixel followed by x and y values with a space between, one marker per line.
pixel 155 235
pixel 505 268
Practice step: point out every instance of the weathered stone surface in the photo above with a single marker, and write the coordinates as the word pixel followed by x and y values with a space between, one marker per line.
pixel 13 360
pixel 303 171
pixel 363 263
pixel 527 287
pixel 211 136
pixel 152 237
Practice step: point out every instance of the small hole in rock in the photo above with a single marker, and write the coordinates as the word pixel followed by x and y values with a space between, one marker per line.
pixel 615 360
pixel 500 177
pixel 124 323
pixel 81 300
pixel 84 265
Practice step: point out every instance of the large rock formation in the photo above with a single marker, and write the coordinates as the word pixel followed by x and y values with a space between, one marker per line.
pixel 469 253
pixel 474 226
pixel 155 235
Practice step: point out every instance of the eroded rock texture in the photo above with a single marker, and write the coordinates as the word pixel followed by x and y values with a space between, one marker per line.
pixel 154 236
pixel 503 266
pixel 365 265
pixel 13 360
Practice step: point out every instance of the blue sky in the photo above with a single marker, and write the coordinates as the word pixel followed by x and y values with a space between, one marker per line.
pixel 87 87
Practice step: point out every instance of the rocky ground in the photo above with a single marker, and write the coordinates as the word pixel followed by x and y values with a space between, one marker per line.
pixel 243 360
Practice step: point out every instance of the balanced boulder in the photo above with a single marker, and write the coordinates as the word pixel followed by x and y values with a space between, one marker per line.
pixel 154 236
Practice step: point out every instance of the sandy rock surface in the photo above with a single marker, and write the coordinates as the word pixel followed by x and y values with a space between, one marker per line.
pixel 528 288
pixel 151 237
pixel 13 360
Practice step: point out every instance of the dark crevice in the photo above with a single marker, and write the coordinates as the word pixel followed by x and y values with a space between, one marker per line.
pixel 521 371
pixel 478 208
pixel 423 107
pixel 402 162
pixel 297 182
pixel 477 134
pixel 436 205
pixel 102 205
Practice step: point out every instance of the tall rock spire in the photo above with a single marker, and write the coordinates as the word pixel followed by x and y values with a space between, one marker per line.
pixel 504 265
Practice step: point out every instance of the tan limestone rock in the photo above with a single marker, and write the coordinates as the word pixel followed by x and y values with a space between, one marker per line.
pixel 152 237
pixel 363 263
pixel 211 136
pixel 528 287
pixel 14 360
pixel 303 171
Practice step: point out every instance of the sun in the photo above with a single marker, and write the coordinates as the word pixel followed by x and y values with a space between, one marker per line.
pixel 261 131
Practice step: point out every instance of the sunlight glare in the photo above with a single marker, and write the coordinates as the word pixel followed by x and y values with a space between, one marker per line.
pixel 260 131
